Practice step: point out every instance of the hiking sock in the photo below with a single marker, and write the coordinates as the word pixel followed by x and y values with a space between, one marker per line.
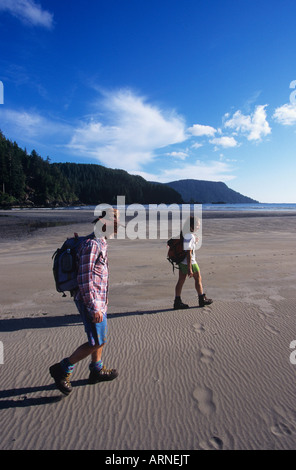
pixel 98 365
pixel 67 366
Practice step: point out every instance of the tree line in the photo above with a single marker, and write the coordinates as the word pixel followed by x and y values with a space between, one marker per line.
pixel 29 180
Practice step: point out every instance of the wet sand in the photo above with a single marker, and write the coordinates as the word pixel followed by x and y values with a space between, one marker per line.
pixel 218 377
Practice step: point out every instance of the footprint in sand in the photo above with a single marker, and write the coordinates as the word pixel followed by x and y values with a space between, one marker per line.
pixel 207 355
pixel 284 422
pixel 280 429
pixel 199 328
pixel 204 398
pixel 214 443
pixel 272 329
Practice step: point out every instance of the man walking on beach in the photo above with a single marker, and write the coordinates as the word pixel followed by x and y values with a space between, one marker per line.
pixel 91 299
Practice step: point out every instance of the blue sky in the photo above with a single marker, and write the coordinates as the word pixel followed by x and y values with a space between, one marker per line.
pixel 168 89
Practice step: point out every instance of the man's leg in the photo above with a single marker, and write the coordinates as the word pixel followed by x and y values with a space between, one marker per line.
pixel 96 333
pixel 86 350
pixel 98 373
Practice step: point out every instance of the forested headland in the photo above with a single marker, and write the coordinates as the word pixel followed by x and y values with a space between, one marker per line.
pixel 28 180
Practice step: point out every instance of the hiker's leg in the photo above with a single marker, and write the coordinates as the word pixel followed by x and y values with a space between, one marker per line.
pixel 198 282
pixel 180 283
pixel 203 300
pixel 86 350
pixel 62 371
pixel 97 354
pixel 178 304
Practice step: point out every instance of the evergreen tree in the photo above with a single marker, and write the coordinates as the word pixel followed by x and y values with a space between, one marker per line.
pixel 31 180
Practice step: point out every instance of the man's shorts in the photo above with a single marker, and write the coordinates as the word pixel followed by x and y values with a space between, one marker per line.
pixel 96 332
pixel 184 268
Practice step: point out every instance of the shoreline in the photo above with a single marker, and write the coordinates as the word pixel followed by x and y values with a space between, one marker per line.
pixel 21 223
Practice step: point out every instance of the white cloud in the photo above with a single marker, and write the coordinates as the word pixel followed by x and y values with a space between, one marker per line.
pixel 27 123
pixel 200 130
pixel 180 155
pixel 196 145
pixel 254 125
pixel 286 114
pixel 224 141
pixel 32 127
pixel 28 11
pixel 135 131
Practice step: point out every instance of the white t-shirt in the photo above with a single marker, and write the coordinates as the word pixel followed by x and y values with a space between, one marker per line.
pixel 189 244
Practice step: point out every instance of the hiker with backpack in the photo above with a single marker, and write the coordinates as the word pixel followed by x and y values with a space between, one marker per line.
pixel 91 298
pixel 188 266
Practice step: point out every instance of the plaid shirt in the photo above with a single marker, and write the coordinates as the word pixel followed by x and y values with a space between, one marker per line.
pixel 93 275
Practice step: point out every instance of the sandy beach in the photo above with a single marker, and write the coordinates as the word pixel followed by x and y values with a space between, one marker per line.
pixel 218 377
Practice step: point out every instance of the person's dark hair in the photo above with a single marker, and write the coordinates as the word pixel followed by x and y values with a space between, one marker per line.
pixel 190 224
pixel 193 222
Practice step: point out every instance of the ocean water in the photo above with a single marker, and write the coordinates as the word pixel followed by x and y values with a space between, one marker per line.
pixel 250 207
pixel 257 207
pixel 263 207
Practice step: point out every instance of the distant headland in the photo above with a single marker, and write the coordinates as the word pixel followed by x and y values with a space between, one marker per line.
pixel 208 192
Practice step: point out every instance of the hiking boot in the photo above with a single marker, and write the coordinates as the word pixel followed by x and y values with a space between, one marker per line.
pixel 62 380
pixel 204 301
pixel 102 375
pixel 178 305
